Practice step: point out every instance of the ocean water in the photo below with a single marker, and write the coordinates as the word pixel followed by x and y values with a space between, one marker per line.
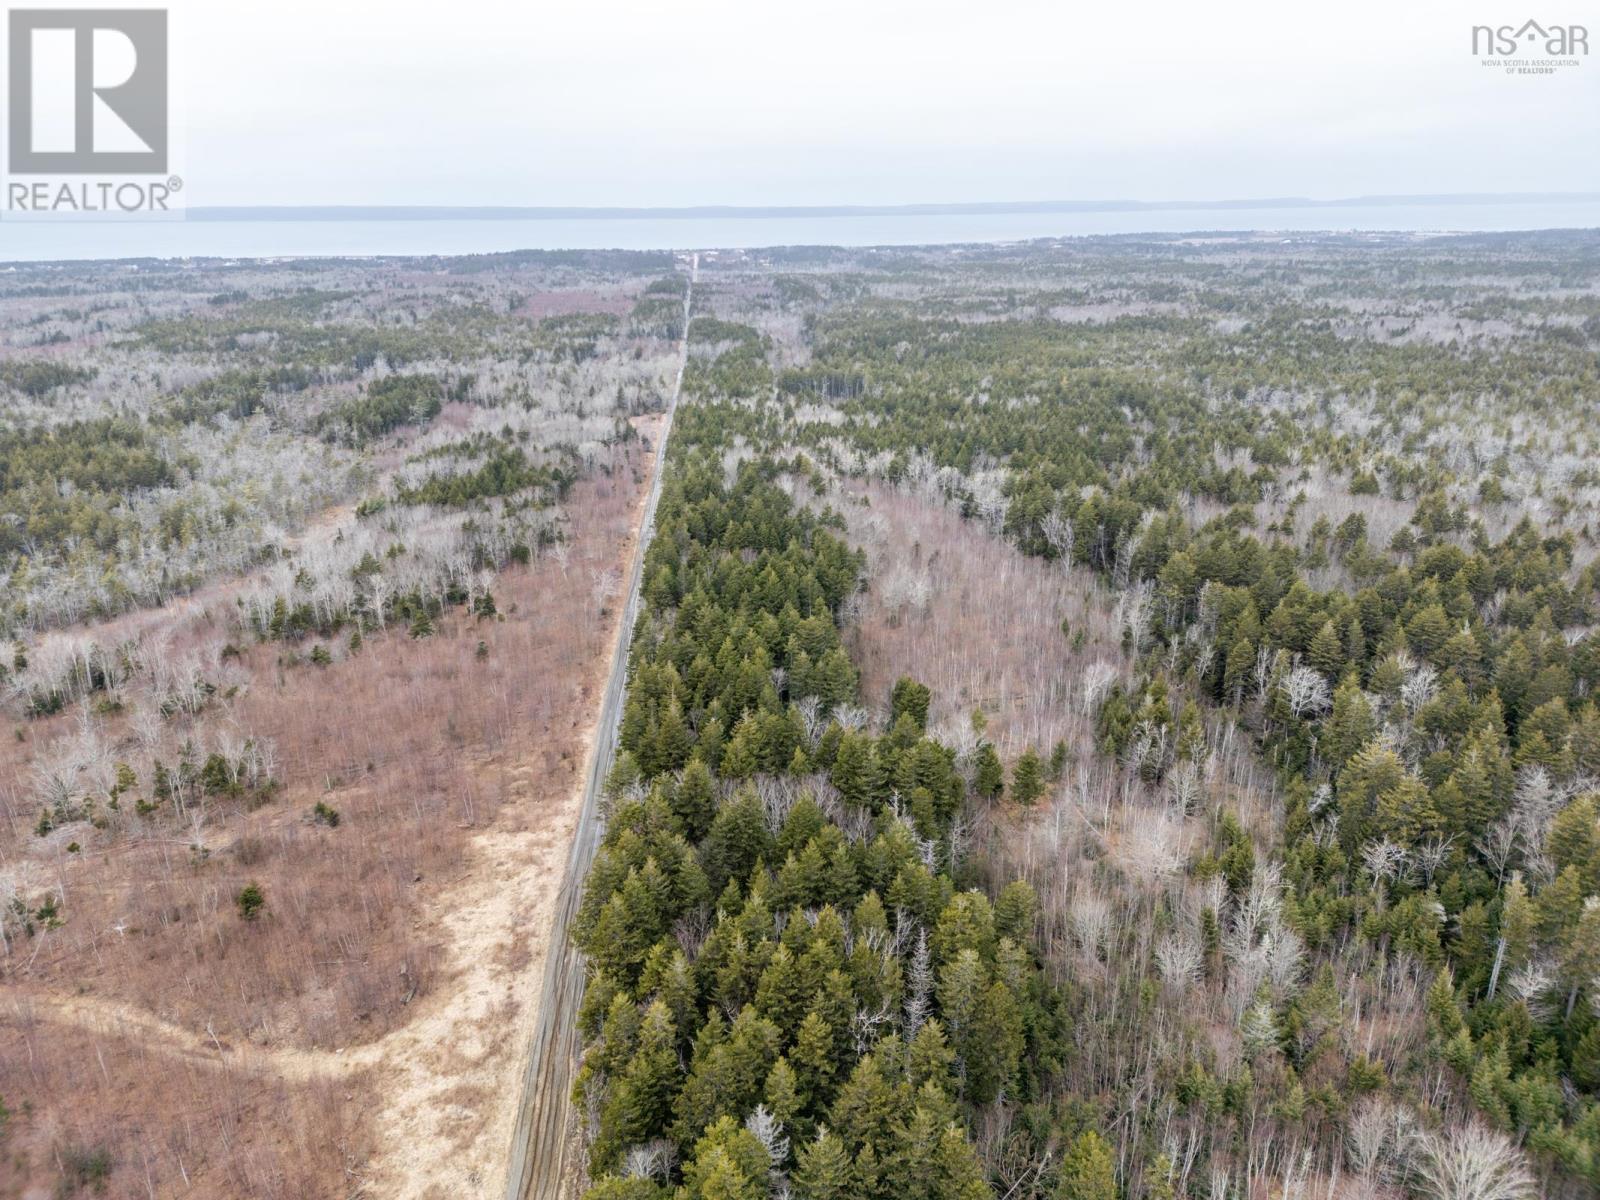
pixel 43 241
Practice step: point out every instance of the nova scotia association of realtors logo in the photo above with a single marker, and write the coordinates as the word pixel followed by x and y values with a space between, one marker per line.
pixel 88 119
pixel 1530 47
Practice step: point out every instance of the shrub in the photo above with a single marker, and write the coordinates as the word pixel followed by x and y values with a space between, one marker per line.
pixel 251 901
pixel 84 1166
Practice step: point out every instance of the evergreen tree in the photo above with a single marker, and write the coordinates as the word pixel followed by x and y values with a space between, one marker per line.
pixel 824 1171
pixel 782 1097
pixel 737 839
pixel 993 1045
pixel 989 775
pixel 277 625
pixel 694 800
pixel 1015 911
pixel 910 699
pixel 1239 670
pixel 1027 779
pixel 615 1187
pixel 673 740
pixel 1350 726
pixel 930 1057
pixel 1087 1170
pixel 1326 652
pixel 814 1064
pixel 1444 1013
pixel 957 1173
pixel 729 1163
pixel 640 1102
pixel 857 773
pixel 1580 957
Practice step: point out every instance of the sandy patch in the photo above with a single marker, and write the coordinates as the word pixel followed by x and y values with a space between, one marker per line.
pixel 452 1074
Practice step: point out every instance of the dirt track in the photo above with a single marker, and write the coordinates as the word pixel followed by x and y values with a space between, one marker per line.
pixel 542 1135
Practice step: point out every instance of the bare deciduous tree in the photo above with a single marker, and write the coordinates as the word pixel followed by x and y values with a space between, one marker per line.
pixel 1060 535
pixel 768 1130
pixel 1179 959
pixel 1498 844
pixel 1306 692
pixel 1472 1162
pixel 1534 983
pixel 1098 677
pixel 919 985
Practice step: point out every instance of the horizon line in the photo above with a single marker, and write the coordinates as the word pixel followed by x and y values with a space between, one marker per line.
pixel 425 212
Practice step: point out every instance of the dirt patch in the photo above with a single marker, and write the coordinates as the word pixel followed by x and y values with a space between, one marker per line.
pixel 452 1073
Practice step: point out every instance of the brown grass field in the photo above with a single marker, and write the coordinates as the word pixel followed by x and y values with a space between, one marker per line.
pixel 363 1036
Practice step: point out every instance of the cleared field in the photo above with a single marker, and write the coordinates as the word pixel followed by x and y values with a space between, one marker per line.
pixel 279 845
pixel 398 950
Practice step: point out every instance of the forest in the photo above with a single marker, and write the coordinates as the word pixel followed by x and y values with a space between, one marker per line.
pixel 1299 898
pixel 1107 719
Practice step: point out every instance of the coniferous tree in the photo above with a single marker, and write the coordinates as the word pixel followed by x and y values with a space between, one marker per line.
pixel 824 1171
pixel 1027 779
pixel 989 775
pixel 911 699
pixel 1087 1170
pixel 694 799
pixel 640 1101
pixel 1326 652
pixel 857 773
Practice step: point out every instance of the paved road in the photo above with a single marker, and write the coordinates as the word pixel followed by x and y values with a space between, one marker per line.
pixel 540 1141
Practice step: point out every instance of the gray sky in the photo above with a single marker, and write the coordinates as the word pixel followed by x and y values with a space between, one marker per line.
pixel 867 101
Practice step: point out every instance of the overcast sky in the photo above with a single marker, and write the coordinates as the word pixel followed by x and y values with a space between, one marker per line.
pixel 618 102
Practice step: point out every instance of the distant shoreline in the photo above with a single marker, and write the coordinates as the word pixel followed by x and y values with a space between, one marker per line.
pixel 356 212
pixel 352 232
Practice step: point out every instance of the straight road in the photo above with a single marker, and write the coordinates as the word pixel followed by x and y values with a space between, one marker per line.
pixel 540 1140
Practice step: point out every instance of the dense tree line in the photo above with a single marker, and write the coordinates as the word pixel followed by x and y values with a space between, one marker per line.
pixel 789 986
pixel 64 482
